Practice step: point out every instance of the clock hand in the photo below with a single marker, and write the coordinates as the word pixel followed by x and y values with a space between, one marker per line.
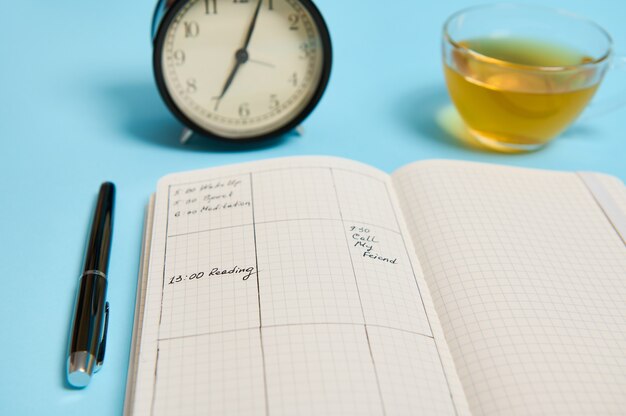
pixel 241 55
pixel 252 25
pixel 267 64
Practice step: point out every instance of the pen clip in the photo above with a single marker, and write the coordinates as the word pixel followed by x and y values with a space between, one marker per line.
pixel 103 342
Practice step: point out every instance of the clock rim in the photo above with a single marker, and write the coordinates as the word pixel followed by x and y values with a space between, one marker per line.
pixel 158 43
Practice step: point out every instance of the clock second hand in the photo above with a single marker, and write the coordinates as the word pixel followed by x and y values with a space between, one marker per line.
pixel 263 63
pixel 241 55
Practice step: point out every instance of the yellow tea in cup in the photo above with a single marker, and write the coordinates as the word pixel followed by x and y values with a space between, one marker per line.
pixel 518 107
pixel 517 89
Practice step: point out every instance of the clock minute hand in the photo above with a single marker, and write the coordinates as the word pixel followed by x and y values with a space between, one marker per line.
pixel 241 56
pixel 252 25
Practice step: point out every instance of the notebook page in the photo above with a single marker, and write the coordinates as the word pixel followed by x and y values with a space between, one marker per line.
pixel 287 287
pixel 528 278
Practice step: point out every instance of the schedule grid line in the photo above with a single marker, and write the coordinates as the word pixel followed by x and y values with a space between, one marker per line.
pixel 203 334
pixel 279 221
pixel 156 364
pixel 356 283
pixel 258 287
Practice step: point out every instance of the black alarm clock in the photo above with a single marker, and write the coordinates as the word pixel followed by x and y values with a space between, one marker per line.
pixel 240 69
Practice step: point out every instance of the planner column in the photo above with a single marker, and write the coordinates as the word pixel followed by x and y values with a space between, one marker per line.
pixel 316 359
pixel 210 299
pixel 404 354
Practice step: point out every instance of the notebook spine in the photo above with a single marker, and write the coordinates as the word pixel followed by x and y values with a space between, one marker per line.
pixel 138 319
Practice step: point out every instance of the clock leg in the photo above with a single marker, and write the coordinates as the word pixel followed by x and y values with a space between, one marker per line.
pixel 300 130
pixel 185 135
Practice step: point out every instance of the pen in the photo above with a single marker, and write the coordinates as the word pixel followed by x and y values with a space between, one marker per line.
pixel 91 311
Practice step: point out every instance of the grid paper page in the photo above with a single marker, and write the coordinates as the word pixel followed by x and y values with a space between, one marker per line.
pixel 287 287
pixel 529 281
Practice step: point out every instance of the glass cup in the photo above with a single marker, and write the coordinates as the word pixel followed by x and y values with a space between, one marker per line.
pixel 518 74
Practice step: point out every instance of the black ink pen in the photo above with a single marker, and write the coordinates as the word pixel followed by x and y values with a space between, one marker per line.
pixel 91 311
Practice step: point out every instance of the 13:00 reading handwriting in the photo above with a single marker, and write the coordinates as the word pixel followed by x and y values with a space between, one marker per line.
pixel 216 271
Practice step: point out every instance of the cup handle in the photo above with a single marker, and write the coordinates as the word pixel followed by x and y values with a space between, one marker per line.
pixel 611 103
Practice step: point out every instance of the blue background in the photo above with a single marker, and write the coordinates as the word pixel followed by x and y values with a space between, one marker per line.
pixel 78 105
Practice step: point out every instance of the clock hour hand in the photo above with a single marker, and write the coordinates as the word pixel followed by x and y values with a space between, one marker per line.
pixel 241 57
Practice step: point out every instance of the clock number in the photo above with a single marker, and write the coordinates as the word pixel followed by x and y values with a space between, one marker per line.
pixel 179 57
pixel 240 1
pixel 293 79
pixel 210 5
pixel 270 6
pixel 294 19
pixel 306 50
pixel 274 102
pixel 192 87
pixel 191 29
pixel 244 110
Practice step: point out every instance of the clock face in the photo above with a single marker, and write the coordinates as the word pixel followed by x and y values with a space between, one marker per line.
pixel 242 69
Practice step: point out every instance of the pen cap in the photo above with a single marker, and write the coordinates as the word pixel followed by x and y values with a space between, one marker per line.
pixel 99 244
pixel 87 335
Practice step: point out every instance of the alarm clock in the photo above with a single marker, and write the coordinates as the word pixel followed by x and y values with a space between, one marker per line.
pixel 240 69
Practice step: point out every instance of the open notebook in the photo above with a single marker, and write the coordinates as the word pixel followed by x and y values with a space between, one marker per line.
pixel 322 286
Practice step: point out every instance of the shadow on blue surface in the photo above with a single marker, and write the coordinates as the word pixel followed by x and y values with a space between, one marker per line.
pixel 424 111
pixel 144 117
pixel 580 130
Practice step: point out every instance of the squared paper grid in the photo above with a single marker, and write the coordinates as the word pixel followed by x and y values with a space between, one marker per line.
pixel 407 367
pixel 320 370
pixel 307 276
pixel 528 280
pixel 282 233
pixel 213 303
pixel 363 199
pixel 389 293
pixel 217 374
pixel 294 194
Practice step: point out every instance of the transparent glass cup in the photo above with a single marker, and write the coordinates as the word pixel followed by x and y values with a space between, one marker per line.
pixel 518 74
